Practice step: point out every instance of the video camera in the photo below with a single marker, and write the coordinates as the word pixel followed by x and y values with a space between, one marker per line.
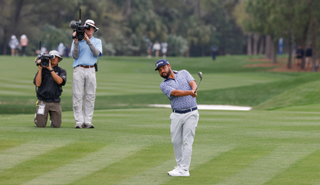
pixel 78 27
pixel 44 58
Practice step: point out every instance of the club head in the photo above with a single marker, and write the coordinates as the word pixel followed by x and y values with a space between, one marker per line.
pixel 200 75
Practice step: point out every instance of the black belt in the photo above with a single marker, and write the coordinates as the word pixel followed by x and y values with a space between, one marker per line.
pixel 185 111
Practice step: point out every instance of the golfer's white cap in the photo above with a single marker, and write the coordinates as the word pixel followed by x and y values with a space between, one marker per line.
pixel 55 53
pixel 91 23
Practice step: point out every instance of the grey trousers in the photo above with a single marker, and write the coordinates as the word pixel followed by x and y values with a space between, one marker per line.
pixel 183 128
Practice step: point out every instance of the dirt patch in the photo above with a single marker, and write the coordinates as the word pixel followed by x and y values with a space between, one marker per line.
pixel 266 60
pixel 264 65
pixel 280 66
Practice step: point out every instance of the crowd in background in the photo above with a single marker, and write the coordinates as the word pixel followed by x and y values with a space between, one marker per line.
pixel 156 47
pixel 16 46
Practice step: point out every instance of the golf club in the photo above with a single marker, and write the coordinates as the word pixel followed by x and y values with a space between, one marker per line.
pixel 200 75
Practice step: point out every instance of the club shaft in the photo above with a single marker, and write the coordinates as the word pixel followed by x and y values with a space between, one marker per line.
pixel 197 86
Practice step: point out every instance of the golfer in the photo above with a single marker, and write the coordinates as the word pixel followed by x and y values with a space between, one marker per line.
pixel 179 87
pixel 85 54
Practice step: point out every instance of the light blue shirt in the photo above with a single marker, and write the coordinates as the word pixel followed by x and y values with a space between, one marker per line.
pixel 181 82
pixel 85 55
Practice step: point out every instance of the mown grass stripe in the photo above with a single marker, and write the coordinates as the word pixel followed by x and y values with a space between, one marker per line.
pixel 265 169
pixel 46 162
pixel 306 171
pixel 129 167
pixel 85 166
pixel 16 155
pixel 158 175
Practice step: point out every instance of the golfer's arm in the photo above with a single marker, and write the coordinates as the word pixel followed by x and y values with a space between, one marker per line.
pixel 193 85
pixel 180 93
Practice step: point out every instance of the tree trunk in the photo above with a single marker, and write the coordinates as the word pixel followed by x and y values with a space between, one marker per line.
pixel 290 53
pixel 268 47
pixel 19 5
pixel 198 8
pixel 313 36
pixel 255 43
pixel 128 9
pixel 305 44
pixel 274 51
pixel 5 40
pixel 261 45
pixel 249 44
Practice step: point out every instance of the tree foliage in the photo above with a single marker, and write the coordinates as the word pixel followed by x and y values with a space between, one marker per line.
pixel 125 25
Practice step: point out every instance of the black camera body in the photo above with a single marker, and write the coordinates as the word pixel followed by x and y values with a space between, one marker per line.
pixel 44 59
pixel 79 29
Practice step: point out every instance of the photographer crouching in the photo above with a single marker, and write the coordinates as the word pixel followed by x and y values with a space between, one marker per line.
pixel 49 79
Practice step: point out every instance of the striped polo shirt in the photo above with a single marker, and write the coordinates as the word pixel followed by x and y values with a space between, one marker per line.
pixel 181 82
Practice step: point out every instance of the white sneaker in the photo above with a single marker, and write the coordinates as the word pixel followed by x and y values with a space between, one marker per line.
pixel 179 172
pixel 175 170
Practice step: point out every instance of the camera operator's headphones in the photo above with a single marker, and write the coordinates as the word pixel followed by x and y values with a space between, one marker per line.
pixel 55 53
pixel 92 24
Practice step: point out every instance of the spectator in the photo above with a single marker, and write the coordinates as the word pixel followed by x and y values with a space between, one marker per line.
pixel 67 51
pixel 149 51
pixel 308 57
pixel 164 46
pixel 60 49
pixel 14 43
pixel 299 55
pixel 214 52
pixel 23 43
pixel 157 48
pixel 43 49
pixel 85 53
pixel 49 80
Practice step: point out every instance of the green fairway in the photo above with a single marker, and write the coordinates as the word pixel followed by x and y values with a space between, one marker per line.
pixel 133 147
pixel 127 82
pixel 275 143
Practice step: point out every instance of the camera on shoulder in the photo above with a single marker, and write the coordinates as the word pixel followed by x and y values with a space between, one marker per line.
pixel 78 27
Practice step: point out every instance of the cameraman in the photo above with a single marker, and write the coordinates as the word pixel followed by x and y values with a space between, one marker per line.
pixel 49 80
pixel 85 53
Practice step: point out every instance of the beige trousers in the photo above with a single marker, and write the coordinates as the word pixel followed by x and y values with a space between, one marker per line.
pixel 83 94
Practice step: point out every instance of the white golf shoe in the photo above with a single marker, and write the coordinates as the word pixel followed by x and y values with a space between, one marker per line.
pixel 177 171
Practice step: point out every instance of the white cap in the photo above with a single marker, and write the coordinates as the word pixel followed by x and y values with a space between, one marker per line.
pixel 23 36
pixel 91 23
pixel 13 37
pixel 55 53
